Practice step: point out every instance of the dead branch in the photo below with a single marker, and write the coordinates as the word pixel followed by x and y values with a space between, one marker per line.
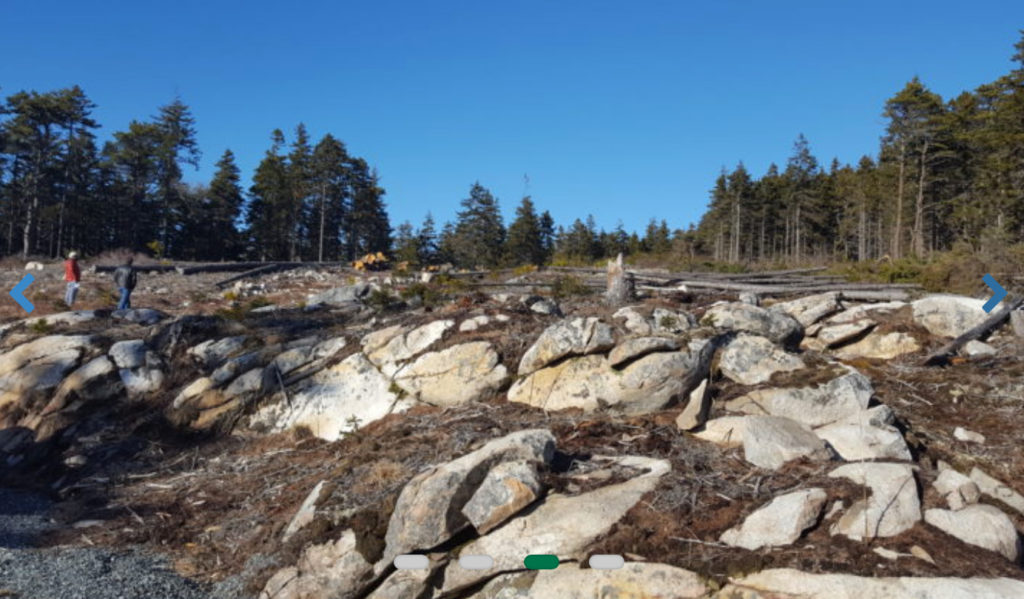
pixel 990 324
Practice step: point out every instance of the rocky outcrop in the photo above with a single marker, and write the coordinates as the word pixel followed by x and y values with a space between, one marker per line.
pixel 561 525
pixel 958 490
pixel 334 401
pixel 430 508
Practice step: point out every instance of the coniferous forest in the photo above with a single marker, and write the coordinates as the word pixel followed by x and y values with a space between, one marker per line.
pixel 949 173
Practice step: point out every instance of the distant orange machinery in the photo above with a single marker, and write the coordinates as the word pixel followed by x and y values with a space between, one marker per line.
pixel 374 262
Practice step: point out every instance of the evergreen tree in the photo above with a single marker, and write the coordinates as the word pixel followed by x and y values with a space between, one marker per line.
pixel 407 244
pixel 368 228
pixel 479 232
pixel 225 209
pixel 524 244
pixel 330 187
pixel 269 204
pixel 427 242
pixel 177 145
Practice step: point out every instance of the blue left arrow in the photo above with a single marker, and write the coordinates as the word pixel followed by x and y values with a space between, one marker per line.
pixel 18 293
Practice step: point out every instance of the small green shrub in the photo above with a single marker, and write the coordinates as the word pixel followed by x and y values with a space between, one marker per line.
pixel 41 326
pixel 380 300
pixel 569 286
pixel 430 295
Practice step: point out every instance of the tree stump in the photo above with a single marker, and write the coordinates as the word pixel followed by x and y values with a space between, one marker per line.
pixel 620 284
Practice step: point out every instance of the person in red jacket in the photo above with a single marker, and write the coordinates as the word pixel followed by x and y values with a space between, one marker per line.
pixel 72 274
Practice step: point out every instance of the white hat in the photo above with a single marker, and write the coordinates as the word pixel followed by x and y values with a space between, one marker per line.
pixel 72 255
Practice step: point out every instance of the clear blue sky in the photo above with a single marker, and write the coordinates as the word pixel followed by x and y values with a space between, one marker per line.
pixel 626 110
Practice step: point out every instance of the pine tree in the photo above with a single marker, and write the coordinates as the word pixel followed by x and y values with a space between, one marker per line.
pixel 225 200
pixel 427 242
pixel 524 244
pixel 407 244
pixel 479 232
pixel 269 204
pixel 368 228
pixel 330 187
pixel 177 146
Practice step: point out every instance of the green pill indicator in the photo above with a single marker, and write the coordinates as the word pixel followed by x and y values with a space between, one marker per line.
pixel 541 561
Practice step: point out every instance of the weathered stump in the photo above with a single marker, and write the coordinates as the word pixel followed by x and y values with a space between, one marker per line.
pixel 621 285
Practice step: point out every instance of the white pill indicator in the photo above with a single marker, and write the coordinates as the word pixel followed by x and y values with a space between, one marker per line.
pixel 476 562
pixel 412 561
pixel 606 562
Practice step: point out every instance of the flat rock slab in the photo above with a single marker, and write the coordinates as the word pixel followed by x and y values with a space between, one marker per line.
pixel 892 508
pixel 561 525
pixel 949 315
pixel 785 583
pixel 571 581
pixel 810 309
pixel 839 398
pixel 879 346
pixel 453 376
pixel 778 523
pixel 981 525
pixel 997 489
pixel 576 337
pixel 771 441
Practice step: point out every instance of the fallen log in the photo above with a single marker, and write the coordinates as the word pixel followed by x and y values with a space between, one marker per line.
pixel 255 273
pixel 990 324
pixel 144 268
pixel 781 289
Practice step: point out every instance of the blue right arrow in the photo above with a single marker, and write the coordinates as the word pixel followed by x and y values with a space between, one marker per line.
pixel 998 293
pixel 18 293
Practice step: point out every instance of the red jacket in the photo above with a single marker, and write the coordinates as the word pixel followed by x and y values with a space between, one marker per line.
pixel 71 272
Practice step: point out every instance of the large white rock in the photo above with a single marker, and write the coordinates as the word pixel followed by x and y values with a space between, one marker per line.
pixel 334 401
pixel 997 489
pixel 576 337
pixel 637 347
pixel 33 370
pixel 697 407
pixel 507 488
pixel 453 376
pixel 855 441
pixel 841 397
pixel 752 359
pixel 128 354
pixel 771 441
pixel 879 346
pixel 650 383
pixel 212 353
pixel 780 522
pixel 809 310
pixel 949 315
pixel 787 583
pixel 777 326
pixel 634 580
pixel 981 525
pixel 633 321
pixel 837 334
pixel 429 508
pixel 561 525
pixel 892 507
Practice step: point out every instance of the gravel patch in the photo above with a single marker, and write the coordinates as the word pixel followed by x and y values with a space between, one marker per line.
pixel 80 572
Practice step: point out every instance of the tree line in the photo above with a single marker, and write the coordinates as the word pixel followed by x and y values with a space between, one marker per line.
pixel 61 190
pixel 947 172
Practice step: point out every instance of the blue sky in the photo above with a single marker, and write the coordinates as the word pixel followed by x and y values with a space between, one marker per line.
pixel 624 110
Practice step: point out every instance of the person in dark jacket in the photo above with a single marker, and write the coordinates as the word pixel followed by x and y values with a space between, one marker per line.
pixel 124 278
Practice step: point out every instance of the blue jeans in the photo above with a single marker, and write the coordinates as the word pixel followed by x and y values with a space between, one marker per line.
pixel 126 299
